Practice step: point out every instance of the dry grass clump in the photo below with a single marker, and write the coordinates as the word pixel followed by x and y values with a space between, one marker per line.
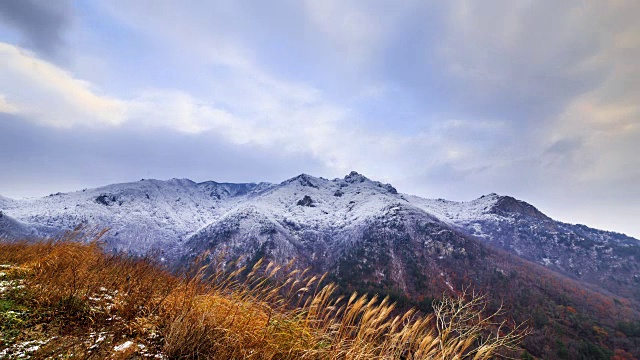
pixel 266 312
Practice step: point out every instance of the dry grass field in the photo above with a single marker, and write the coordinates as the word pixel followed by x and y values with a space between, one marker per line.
pixel 68 299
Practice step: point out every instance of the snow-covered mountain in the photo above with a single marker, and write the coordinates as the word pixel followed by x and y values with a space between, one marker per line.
pixel 326 224
pixel 322 222
pixel 143 216
pixel 607 259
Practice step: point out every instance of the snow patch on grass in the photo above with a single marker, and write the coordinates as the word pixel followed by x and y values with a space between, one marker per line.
pixel 6 285
pixel 124 346
pixel 23 350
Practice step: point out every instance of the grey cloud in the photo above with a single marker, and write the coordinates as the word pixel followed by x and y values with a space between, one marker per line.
pixel 563 160
pixel 564 146
pixel 41 22
pixel 449 172
pixel 37 160
pixel 488 70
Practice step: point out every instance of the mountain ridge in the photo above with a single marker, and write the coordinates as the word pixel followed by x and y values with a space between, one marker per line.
pixel 8 203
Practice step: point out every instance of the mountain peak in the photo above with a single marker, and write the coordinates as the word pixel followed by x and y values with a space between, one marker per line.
pixel 304 180
pixel 177 181
pixel 354 177
pixel 507 205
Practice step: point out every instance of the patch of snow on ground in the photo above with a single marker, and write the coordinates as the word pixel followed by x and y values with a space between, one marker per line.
pixel 457 212
pixel 124 346
pixel 22 350
pixel 6 285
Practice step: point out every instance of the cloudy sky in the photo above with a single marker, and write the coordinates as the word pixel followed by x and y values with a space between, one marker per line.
pixel 454 99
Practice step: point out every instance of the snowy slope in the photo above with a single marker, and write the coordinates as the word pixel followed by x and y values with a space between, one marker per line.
pixel 321 203
pixel 607 259
pixel 5 202
pixel 13 230
pixel 306 217
pixel 143 215
pixel 306 203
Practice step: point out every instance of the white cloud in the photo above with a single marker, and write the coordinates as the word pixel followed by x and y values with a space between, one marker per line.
pixel 6 107
pixel 353 30
pixel 176 110
pixel 50 95
pixel 250 108
pixel 202 29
